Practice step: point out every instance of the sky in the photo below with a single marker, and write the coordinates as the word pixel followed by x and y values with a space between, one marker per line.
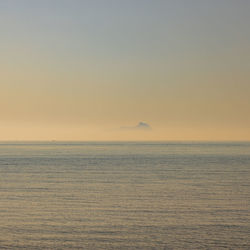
pixel 87 69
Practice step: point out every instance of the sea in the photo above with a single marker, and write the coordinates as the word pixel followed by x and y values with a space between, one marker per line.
pixel 124 195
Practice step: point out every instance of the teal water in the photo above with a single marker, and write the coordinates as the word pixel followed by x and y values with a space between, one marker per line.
pixel 96 195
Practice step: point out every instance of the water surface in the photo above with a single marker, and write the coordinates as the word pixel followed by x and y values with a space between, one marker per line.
pixel 96 195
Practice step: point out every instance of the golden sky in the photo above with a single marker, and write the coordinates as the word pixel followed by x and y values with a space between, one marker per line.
pixel 83 70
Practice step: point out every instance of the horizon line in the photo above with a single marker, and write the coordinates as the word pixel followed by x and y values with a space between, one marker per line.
pixel 54 140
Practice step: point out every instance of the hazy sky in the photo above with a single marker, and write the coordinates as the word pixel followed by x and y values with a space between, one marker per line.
pixel 80 70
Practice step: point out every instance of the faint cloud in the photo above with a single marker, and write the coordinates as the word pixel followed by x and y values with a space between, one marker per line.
pixel 139 126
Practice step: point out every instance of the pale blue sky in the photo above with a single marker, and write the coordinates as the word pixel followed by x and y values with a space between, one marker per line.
pixel 174 64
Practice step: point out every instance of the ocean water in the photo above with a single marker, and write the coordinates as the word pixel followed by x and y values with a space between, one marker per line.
pixel 96 195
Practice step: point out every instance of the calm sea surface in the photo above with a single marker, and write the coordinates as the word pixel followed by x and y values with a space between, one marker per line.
pixel 124 195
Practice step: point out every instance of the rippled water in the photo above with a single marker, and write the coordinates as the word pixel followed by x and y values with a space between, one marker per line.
pixel 124 195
